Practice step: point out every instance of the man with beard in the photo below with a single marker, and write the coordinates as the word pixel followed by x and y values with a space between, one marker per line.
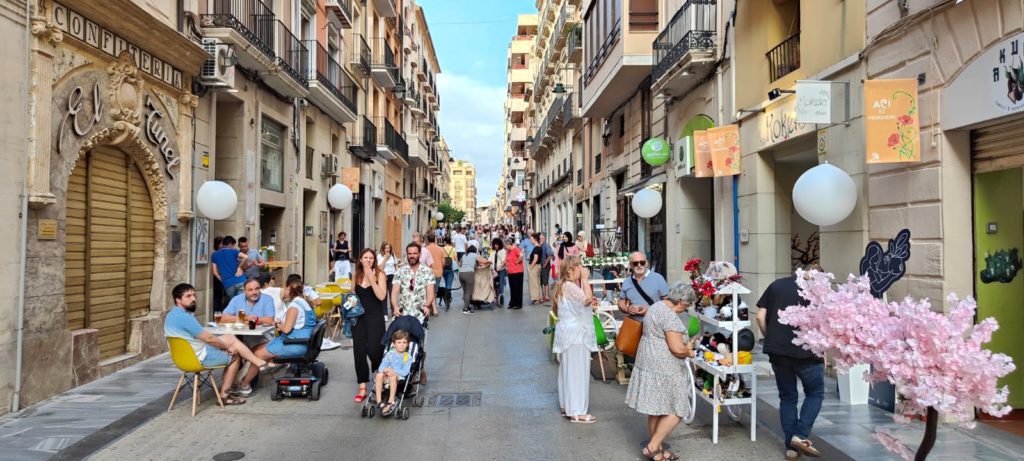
pixel 211 351
pixel 644 288
pixel 412 292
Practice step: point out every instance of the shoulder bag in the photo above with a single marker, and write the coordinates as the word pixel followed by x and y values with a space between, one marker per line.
pixel 628 339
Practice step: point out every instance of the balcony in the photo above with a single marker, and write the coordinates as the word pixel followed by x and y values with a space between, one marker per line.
pixel 340 11
pixel 291 66
pixel 784 58
pixel 391 144
pixel 360 58
pixel 419 151
pixel 571 113
pixel 385 8
pixel 684 53
pixel 566 17
pixel 544 135
pixel 364 139
pixel 412 99
pixel 574 43
pixel 331 88
pixel 518 133
pixel 248 26
pixel 383 67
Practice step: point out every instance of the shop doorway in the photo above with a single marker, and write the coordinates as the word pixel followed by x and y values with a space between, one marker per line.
pixel 108 270
pixel 798 241
pixel 271 222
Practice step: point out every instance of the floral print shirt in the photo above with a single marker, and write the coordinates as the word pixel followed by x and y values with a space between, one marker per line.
pixel 411 300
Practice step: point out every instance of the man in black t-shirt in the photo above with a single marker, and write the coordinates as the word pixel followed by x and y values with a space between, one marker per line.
pixel 789 363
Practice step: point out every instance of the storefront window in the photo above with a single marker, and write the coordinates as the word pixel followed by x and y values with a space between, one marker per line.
pixel 272 158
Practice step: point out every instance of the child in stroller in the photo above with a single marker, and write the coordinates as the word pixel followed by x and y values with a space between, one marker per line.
pixel 396 365
pixel 404 380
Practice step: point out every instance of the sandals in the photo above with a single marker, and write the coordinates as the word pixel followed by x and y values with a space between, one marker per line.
pixel 232 400
pixel 387 409
pixel 360 396
pixel 585 419
pixel 804 446
pixel 651 455
pixel 268 365
pixel 665 455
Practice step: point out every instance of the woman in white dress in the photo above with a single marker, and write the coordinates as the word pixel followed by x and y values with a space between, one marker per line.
pixel 574 339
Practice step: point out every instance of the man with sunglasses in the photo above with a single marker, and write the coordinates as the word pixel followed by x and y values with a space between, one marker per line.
pixel 643 288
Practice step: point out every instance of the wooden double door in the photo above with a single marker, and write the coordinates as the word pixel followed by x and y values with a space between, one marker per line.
pixel 109 238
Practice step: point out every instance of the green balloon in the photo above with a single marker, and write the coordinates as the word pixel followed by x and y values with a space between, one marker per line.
pixel 656 151
pixel 694 326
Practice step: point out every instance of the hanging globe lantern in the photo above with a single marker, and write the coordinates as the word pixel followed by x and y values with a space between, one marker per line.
pixel 824 195
pixel 439 216
pixel 216 200
pixel 656 151
pixel 646 203
pixel 339 197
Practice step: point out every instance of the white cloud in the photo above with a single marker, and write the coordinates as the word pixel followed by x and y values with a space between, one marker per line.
pixel 473 123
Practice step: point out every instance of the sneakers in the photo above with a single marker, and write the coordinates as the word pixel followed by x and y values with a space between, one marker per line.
pixel 467 311
pixel 242 391
pixel 328 344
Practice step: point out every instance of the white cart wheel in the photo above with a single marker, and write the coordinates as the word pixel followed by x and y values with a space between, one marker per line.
pixel 692 395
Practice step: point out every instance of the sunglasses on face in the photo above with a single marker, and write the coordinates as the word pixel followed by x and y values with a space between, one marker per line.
pixel 638 263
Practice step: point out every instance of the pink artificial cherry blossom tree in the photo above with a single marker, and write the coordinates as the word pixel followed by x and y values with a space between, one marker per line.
pixel 936 361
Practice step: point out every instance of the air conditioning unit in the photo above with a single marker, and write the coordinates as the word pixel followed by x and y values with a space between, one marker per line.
pixel 218 72
pixel 682 157
pixel 330 166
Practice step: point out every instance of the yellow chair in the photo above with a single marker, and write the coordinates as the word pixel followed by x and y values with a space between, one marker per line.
pixel 193 372
pixel 334 312
pixel 552 320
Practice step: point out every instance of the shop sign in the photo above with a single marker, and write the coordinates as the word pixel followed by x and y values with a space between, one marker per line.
pixel 47 229
pixel 702 166
pixel 820 101
pixel 98 37
pixel 82 114
pixel 779 124
pixel 991 86
pixel 407 206
pixel 725 149
pixel 156 136
pixel 350 178
pixel 891 122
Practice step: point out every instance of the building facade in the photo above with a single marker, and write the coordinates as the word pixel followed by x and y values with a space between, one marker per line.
pixel 463 189
pixel 126 120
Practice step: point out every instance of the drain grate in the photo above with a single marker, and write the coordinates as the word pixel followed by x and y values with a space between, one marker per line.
pixel 453 400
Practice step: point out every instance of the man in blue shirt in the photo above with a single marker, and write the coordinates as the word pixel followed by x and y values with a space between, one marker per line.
pixel 527 246
pixel 225 351
pixel 545 269
pixel 253 302
pixel 226 268
pixel 653 285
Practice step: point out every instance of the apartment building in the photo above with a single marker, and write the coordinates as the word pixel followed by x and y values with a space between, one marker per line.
pixel 518 118
pixel 281 100
pixel 463 189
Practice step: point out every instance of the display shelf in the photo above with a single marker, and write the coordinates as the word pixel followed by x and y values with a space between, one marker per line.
pixel 738 401
pixel 722 371
pixel 723 324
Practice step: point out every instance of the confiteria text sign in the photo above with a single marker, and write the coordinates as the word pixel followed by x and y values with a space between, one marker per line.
pixel 92 34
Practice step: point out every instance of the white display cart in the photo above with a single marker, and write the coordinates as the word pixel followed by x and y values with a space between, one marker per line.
pixel 720 373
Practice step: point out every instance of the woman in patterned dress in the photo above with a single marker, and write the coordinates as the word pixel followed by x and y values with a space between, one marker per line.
pixel 574 339
pixel 659 385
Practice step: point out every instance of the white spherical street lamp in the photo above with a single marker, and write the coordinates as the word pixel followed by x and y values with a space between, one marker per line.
pixel 339 197
pixel 824 195
pixel 646 203
pixel 216 200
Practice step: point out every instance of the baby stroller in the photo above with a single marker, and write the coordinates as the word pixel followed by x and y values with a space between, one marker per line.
pixel 408 388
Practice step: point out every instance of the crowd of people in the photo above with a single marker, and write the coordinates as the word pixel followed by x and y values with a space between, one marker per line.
pixel 448 259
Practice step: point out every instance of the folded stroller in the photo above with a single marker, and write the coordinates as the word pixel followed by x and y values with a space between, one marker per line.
pixel 408 388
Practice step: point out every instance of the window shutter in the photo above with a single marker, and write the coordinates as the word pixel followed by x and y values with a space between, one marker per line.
pixel 643 15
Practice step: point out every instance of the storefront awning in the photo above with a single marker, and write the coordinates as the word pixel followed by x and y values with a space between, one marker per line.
pixel 656 179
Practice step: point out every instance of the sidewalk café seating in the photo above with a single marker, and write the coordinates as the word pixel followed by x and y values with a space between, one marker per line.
pixel 334 314
pixel 305 374
pixel 193 372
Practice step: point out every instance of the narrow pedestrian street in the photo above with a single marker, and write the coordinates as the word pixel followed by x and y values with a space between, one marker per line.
pixel 501 356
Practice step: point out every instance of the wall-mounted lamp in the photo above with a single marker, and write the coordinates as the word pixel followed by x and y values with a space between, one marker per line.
pixel 559 89
pixel 740 112
pixel 776 93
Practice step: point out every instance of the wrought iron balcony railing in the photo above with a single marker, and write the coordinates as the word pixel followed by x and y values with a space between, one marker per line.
pixel 253 19
pixel 292 55
pixel 332 76
pixel 784 58
pixel 692 27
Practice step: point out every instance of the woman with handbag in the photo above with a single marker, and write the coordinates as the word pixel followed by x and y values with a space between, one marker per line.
pixel 575 339
pixel 371 289
pixel 659 386
pixel 499 260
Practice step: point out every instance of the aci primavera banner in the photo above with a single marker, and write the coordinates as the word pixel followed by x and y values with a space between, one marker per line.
pixel 725 149
pixel 891 121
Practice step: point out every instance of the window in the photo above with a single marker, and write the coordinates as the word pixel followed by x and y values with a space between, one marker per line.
pixel 272 160
pixel 643 15
pixel 597 163
pixel 309 162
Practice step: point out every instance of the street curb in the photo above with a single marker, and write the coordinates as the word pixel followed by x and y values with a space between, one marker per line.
pixel 108 434
pixel 768 416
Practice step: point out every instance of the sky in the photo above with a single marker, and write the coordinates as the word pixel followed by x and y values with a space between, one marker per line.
pixel 471 38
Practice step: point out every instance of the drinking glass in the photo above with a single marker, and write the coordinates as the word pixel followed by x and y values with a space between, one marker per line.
pixel 217 315
pixel 241 316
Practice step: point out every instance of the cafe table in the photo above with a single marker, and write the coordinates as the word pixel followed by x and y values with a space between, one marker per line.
pixel 244 331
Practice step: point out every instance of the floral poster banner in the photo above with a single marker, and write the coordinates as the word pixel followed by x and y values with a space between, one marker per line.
pixel 725 149
pixel 702 167
pixel 407 206
pixel 350 178
pixel 891 121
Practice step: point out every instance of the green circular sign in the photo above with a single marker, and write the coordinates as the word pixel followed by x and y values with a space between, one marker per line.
pixel 656 151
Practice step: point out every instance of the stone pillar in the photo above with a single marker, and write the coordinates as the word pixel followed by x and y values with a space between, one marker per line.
pixel 41 94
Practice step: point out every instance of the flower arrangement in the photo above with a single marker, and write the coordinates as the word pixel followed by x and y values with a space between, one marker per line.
pixel 707 284
pixel 935 360
pixel 268 252
pixel 606 260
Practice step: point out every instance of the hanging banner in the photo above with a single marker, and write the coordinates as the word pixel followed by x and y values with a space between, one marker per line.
pixel 407 206
pixel 725 149
pixel 891 121
pixel 350 178
pixel 702 167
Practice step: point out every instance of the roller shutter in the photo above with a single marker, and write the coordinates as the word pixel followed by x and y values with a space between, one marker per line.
pixel 998 147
